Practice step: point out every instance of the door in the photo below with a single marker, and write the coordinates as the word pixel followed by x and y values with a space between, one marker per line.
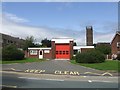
pixel 40 54
pixel 62 51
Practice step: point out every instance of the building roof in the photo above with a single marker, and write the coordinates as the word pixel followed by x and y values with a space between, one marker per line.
pixel 79 47
pixel 117 33
pixel 62 40
pixel 41 48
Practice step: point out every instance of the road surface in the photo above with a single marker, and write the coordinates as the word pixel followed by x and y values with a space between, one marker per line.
pixel 26 80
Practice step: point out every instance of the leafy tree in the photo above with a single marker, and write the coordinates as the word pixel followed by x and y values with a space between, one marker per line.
pixel 46 43
pixel 11 52
pixel 74 44
pixel 29 42
pixel 104 49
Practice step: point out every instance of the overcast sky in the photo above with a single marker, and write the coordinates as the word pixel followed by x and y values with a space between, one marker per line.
pixel 60 19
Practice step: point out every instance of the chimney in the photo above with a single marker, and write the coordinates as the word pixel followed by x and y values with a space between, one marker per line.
pixel 89 36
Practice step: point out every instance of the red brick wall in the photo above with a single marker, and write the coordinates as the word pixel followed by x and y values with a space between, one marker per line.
pixel 33 56
pixel 71 49
pixel 114 47
pixel 47 55
pixel 26 54
pixel 53 50
pixel 86 49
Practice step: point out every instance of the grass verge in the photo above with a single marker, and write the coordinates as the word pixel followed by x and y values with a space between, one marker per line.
pixel 27 60
pixel 108 65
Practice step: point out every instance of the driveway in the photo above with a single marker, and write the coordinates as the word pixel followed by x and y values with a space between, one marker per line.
pixel 52 66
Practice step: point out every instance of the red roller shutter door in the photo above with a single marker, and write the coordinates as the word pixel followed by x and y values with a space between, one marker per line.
pixel 62 51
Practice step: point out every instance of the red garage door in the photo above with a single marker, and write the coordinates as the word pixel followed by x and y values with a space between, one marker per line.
pixel 62 51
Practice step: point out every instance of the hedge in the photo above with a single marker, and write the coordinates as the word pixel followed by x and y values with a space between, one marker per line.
pixel 93 56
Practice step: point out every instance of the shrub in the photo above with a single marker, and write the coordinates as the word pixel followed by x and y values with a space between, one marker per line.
pixel 73 57
pixel 93 56
pixel 104 49
pixel 118 56
pixel 10 52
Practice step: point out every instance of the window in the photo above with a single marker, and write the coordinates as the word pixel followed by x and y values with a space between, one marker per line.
pixel 60 52
pixel 33 52
pixel 40 52
pixel 66 52
pixel 118 44
pixel 56 52
pixel 46 51
pixel 63 52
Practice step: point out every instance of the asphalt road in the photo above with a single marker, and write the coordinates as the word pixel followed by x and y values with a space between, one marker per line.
pixel 21 80
pixel 54 66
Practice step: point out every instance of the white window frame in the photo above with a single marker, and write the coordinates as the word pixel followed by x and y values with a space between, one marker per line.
pixel 118 44
pixel 33 52
pixel 46 51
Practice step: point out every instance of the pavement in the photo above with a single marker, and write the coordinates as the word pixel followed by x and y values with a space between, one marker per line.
pixel 59 67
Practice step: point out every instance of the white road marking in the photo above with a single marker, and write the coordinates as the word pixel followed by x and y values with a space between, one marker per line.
pixel 107 73
pixel 55 79
pixel 92 73
pixel 12 69
pixel 102 81
pixel 30 78
pixel 10 86
pixel 42 79
pixel 89 81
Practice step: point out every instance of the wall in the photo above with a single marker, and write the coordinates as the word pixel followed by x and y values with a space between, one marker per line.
pixel 86 49
pixel 53 50
pixel 7 40
pixel 47 55
pixel 114 47
pixel 33 56
pixel 89 36
pixel 71 49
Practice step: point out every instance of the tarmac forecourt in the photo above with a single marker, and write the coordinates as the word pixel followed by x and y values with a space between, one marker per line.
pixel 54 67
pixel 59 72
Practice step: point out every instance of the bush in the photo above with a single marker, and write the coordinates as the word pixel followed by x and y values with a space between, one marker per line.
pixel 10 52
pixel 104 49
pixel 93 56
pixel 118 56
pixel 73 57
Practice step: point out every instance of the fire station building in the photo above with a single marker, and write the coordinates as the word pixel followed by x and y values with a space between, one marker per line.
pixel 61 48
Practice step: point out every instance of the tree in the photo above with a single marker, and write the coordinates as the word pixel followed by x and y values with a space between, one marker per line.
pixel 29 42
pixel 104 49
pixel 11 52
pixel 46 43
pixel 74 44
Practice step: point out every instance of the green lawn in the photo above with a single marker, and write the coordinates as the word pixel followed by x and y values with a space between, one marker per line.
pixel 27 60
pixel 108 65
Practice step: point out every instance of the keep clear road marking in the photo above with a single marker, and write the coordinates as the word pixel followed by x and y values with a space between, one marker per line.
pixel 42 79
